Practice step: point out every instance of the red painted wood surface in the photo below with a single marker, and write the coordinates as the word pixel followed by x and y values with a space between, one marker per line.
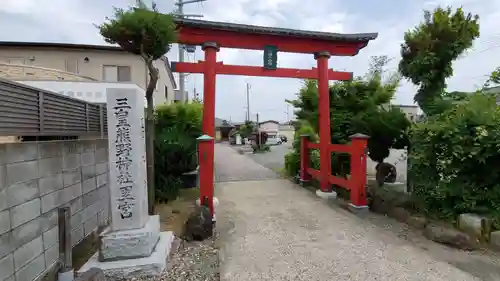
pixel 338 148
pixel 324 123
pixel 208 126
pixel 225 69
pixel 285 43
pixel 358 171
pixel 356 184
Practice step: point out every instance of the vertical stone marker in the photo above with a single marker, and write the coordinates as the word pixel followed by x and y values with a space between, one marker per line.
pixel 125 109
pixel 133 245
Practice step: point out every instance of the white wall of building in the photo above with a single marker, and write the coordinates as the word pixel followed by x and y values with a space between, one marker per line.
pixel 94 92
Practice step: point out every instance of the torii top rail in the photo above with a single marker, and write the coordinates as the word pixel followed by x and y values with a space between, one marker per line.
pixel 214 35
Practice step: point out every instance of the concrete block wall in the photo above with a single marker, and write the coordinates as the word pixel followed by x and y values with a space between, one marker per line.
pixel 35 179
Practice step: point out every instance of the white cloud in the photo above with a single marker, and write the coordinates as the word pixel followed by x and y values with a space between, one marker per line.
pixel 72 21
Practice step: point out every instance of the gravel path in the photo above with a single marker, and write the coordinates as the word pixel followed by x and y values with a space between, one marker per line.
pixel 194 261
pixel 274 230
pixel 190 261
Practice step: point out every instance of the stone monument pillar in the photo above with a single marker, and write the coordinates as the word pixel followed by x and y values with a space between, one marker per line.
pixel 132 245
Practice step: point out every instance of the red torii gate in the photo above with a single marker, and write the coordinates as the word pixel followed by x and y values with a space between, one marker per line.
pixel 213 35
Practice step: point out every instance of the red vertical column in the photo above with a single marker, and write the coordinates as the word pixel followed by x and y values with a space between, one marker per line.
pixel 358 171
pixel 324 120
pixel 208 123
pixel 205 143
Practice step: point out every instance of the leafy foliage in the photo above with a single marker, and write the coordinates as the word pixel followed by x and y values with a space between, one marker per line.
pixel 494 79
pixel 292 158
pixel 430 49
pixel 177 127
pixel 140 30
pixel 357 106
pixel 246 129
pixel 452 159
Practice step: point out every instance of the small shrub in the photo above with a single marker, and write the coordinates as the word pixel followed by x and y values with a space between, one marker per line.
pixel 177 127
pixel 262 148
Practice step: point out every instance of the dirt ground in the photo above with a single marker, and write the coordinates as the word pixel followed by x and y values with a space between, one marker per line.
pixel 174 214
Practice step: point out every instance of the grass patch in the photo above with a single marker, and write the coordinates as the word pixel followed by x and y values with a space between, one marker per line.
pixel 174 214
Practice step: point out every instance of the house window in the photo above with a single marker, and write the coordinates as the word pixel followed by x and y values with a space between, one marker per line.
pixel 113 73
pixel 72 65
pixel 166 93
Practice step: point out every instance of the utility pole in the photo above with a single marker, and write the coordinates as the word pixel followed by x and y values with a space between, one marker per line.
pixel 180 13
pixel 287 112
pixel 248 102
pixel 258 131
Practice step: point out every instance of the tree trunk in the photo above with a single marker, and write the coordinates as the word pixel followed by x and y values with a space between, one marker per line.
pixel 150 135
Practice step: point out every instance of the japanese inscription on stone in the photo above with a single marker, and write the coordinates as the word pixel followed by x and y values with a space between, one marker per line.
pixel 123 145
pixel 127 165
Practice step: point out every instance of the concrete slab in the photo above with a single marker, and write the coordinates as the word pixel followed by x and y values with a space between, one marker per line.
pixel 272 230
pixel 150 266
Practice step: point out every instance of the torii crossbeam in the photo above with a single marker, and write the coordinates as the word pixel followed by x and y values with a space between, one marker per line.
pixel 220 68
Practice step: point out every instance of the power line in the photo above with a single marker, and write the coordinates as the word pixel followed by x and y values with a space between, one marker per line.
pixel 248 101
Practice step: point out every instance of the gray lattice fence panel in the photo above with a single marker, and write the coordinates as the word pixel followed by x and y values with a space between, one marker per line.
pixel 19 110
pixel 28 111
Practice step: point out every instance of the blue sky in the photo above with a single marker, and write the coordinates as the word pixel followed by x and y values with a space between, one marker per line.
pixel 73 21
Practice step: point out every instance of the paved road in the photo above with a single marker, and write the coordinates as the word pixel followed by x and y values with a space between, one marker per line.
pixel 231 166
pixel 273 230
pixel 275 159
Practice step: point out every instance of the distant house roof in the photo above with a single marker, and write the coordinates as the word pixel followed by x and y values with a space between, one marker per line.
pixel 269 121
pixel 222 123
pixel 50 45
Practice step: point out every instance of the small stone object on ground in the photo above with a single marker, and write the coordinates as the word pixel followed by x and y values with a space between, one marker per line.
pixel 475 225
pixel 93 274
pixel 199 225
pixel 450 236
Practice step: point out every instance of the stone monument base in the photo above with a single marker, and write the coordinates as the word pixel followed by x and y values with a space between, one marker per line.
pixel 129 244
pixel 150 266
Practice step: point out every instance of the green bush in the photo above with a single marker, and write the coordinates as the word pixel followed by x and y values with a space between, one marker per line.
pixel 357 106
pixel 292 158
pixel 454 157
pixel 177 127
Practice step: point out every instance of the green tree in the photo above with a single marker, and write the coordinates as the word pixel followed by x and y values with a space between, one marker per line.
pixel 148 33
pixel 358 106
pixel 494 79
pixel 429 50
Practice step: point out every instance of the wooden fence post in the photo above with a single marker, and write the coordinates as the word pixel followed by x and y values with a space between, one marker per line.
pixel 358 171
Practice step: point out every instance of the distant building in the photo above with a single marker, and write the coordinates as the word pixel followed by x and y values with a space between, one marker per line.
pixel 269 126
pixel 411 111
pixel 52 66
